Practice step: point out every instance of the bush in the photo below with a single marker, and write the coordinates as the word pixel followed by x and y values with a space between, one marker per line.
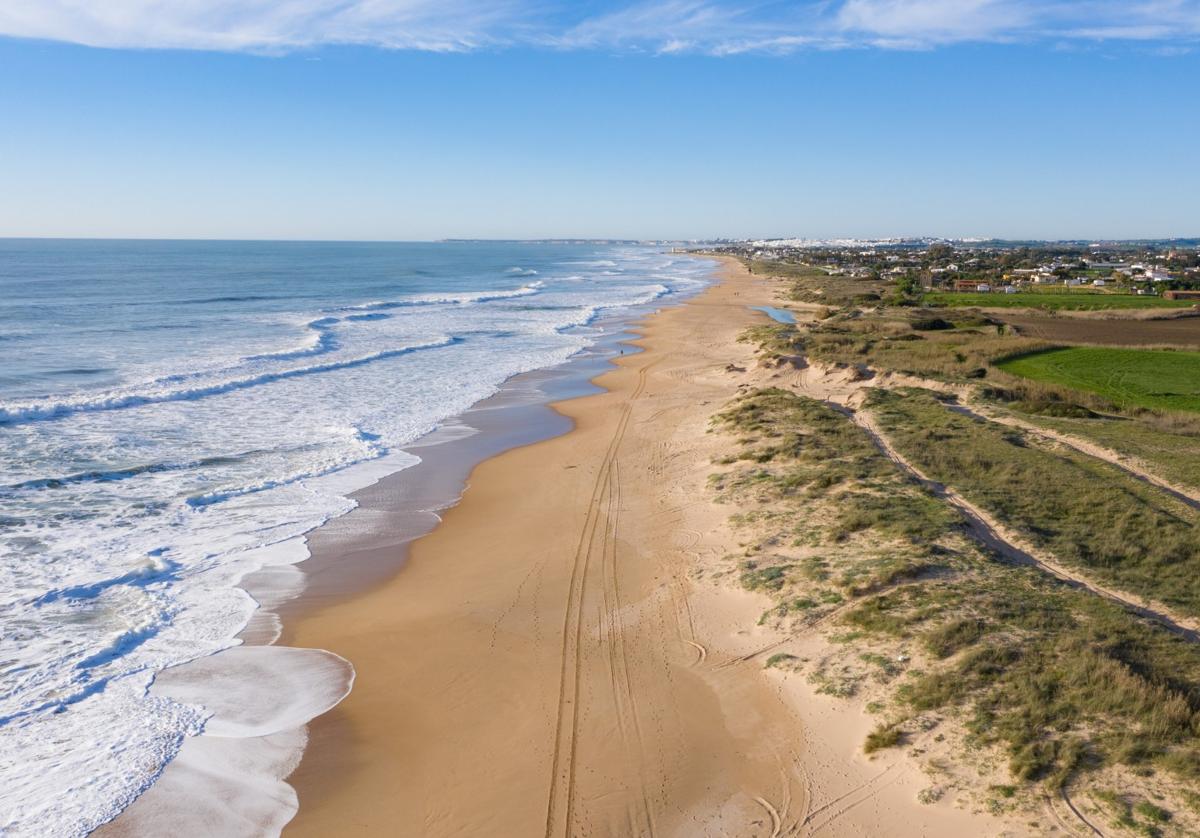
pixel 883 736
pixel 947 639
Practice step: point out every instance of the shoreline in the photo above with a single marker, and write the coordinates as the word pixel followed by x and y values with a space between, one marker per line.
pixel 246 753
pixel 549 658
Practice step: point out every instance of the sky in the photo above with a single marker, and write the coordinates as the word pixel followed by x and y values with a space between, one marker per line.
pixel 428 119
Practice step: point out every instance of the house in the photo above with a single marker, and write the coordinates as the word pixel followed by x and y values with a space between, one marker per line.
pixel 972 285
pixel 1010 289
pixel 1157 275
pixel 1182 295
pixel 1099 283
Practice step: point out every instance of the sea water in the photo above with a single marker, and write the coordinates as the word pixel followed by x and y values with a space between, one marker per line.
pixel 170 415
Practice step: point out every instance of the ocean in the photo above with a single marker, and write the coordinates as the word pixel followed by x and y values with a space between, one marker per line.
pixel 176 415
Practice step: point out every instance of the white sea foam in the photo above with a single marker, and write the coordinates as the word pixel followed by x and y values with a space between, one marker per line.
pixel 130 514
pixel 230 779
pixel 449 299
pixel 154 392
pixel 252 691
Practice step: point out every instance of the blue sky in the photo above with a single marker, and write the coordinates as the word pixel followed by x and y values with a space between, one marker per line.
pixel 409 119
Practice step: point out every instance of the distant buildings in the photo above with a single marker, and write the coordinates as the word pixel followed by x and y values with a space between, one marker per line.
pixel 1133 267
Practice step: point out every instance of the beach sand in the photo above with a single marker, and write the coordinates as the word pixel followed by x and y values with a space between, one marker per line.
pixel 553 659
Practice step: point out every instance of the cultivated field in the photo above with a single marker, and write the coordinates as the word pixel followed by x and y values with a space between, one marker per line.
pixel 1155 379
pixel 1180 331
pixel 1052 301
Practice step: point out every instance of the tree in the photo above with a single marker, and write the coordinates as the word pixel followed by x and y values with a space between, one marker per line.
pixel 908 286
pixel 938 252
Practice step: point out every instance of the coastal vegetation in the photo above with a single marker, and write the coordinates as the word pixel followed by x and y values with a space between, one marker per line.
pixel 1004 679
pixel 914 341
pixel 1169 445
pixel 946 639
pixel 965 348
pixel 1084 512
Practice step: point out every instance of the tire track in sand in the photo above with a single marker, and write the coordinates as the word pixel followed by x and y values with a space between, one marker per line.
pixel 561 796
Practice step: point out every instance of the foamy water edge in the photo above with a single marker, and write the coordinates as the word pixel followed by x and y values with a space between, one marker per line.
pixel 229 777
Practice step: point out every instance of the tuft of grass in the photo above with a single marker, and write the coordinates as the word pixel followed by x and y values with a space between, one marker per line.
pixel 764 578
pixel 882 737
pixel 951 637
pixel 1152 813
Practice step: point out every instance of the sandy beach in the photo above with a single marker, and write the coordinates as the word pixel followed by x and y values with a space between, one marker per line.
pixel 547 662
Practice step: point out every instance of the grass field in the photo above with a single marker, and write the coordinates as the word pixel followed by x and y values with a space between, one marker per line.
pixel 1053 301
pixel 1157 379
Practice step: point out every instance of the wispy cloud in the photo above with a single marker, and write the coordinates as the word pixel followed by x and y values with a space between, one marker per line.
pixel 716 27
pixel 935 21
pixel 267 25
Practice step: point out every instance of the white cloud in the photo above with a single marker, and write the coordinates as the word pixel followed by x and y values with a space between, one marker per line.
pixel 716 27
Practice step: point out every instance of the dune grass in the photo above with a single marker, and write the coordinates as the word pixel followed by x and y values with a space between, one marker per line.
pixel 1087 513
pixel 1149 378
pixel 1169 449
pixel 1060 681
pixel 948 346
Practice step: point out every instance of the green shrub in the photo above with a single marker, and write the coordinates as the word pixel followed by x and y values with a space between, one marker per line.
pixel 883 736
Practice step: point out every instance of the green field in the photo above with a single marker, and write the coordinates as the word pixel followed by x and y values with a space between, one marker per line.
pixel 1053 301
pixel 1158 379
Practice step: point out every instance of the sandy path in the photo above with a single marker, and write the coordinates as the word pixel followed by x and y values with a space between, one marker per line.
pixel 839 385
pixel 845 391
pixel 1011 545
pixel 1129 465
pixel 546 662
